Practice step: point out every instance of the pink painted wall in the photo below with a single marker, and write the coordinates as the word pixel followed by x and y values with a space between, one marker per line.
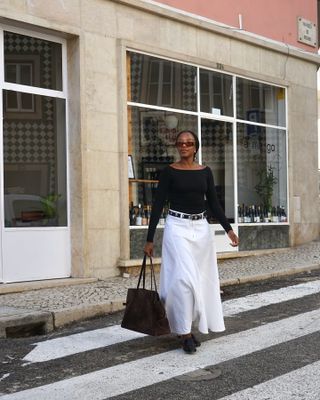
pixel 275 19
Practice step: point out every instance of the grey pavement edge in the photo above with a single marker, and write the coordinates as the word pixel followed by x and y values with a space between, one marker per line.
pixel 55 304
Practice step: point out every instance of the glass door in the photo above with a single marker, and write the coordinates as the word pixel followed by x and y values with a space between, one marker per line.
pixel 35 232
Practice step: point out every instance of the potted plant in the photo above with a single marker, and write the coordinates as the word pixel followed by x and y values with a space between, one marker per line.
pixel 264 188
pixel 49 208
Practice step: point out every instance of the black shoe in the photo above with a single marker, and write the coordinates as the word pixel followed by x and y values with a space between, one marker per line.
pixel 195 340
pixel 188 345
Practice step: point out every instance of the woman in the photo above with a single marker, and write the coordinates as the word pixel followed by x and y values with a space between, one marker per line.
pixel 189 282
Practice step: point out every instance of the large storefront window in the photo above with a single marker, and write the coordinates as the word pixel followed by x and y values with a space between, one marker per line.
pixel 239 122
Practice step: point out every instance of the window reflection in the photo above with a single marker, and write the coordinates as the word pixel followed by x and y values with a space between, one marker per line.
pixel 216 95
pixel 152 146
pixel 258 102
pixel 162 82
pixel 262 182
pixel 217 153
pixel 32 61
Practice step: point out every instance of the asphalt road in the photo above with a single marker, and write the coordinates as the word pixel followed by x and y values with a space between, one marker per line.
pixel 270 350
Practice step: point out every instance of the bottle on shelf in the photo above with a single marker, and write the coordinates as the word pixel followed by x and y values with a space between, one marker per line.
pixel 139 215
pixel 162 218
pixel 274 215
pixel 256 215
pixel 145 220
pixel 132 214
pixel 279 213
pixel 249 215
pixel 269 214
pixel 283 216
pixel 148 213
pixel 261 214
pixel 246 215
pixel 240 214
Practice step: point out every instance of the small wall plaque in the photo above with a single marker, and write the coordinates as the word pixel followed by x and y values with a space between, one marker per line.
pixel 307 32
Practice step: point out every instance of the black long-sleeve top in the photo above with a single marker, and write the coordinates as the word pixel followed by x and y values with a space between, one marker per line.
pixel 187 191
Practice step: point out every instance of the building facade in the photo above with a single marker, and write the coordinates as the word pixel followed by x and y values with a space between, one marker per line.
pixel 93 94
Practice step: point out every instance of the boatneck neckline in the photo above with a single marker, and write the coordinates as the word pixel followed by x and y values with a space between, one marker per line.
pixel 181 169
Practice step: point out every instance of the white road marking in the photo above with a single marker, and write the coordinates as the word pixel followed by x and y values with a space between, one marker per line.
pixel 79 342
pixel 258 300
pixel 147 371
pixel 303 383
pixel 85 341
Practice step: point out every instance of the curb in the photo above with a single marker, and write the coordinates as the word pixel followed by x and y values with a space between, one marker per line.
pixel 15 319
pixel 269 275
pixel 81 313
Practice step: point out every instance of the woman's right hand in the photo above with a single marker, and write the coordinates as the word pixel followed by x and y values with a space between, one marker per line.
pixel 148 249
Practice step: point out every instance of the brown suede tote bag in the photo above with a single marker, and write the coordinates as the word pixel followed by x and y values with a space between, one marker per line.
pixel 144 310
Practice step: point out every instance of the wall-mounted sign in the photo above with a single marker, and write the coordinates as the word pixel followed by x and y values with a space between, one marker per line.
pixel 307 32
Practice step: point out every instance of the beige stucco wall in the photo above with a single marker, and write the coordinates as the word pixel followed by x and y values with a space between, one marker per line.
pixel 98 32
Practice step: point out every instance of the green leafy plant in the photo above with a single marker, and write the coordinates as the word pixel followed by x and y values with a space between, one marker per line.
pixel 49 205
pixel 264 188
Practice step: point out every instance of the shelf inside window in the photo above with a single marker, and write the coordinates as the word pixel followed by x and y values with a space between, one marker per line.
pixel 143 181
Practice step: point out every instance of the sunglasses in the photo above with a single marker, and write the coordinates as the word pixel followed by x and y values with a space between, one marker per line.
pixel 187 144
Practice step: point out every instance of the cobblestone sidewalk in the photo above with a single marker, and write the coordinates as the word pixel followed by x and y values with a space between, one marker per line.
pixel 69 303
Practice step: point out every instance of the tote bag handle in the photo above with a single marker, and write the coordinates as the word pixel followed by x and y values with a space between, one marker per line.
pixel 143 274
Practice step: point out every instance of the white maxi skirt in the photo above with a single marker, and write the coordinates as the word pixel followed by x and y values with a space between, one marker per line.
pixel 189 280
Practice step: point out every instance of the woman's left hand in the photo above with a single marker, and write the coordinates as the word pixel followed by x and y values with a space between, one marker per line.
pixel 234 239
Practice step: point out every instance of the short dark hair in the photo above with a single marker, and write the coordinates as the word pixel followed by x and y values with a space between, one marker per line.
pixel 194 136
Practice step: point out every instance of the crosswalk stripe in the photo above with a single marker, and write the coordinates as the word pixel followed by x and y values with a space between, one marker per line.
pixel 146 371
pixel 90 340
pixel 303 383
pixel 258 300
pixel 79 342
